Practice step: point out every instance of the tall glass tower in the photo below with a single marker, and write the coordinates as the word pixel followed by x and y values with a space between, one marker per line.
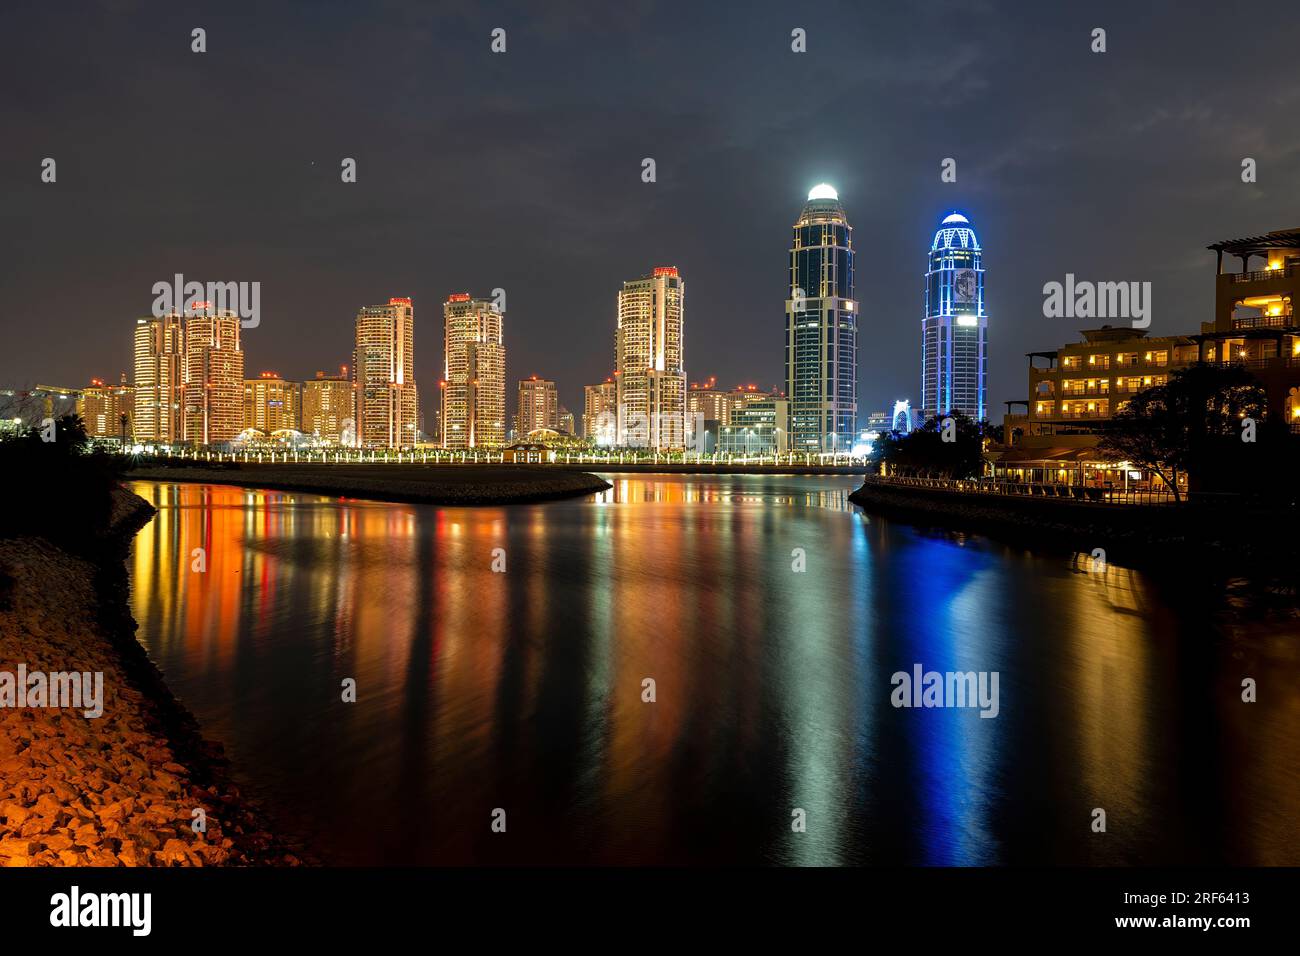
pixel 821 329
pixel 954 331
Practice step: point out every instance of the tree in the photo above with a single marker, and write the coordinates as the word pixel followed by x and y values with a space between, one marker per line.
pixel 1193 424
pixel 925 453
pixel 59 490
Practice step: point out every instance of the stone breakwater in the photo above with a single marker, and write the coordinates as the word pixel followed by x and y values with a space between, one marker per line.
pixel 448 485
pixel 120 789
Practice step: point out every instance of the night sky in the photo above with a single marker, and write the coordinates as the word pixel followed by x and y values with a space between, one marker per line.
pixel 523 170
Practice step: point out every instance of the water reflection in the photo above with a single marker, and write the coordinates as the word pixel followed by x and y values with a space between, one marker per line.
pixel 522 689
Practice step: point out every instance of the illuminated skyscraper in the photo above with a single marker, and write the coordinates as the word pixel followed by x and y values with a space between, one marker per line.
pixel 103 407
pixel 474 378
pixel 600 412
pixel 538 406
pixel 159 373
pixel 383 373
pixel 954 331
pixel 271 404
pixel 327 413
pixel 648 361
pixel 212 397
pixel 821 328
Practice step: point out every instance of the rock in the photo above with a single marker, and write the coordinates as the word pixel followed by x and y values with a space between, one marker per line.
pixel 49 806
pixel 101 857
pixel 118 810
pixel 175 852
pixel 14 814
pixel 130 855
pixel 57 842
pixel 16 846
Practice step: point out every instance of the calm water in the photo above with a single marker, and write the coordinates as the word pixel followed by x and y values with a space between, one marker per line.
pixel 523 690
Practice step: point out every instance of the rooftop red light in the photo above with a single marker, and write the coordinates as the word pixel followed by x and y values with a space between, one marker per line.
pixel 665 271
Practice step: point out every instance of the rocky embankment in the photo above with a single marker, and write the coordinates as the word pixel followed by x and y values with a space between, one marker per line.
pixel 450 485
pixel 119 789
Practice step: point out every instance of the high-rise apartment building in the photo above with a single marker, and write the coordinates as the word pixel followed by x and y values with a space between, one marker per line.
pixel 954 330
pixel 108 410
pixel 474 373
pixel 648 359
pixel 538 406
pixel 821 328
pixel 159 345
pixel 600 412
pixel 212 396
pixel 271 404
pixel 327 413
pixel 383 374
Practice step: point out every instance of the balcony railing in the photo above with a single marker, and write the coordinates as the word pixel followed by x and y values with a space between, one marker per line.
pixel 1275 361
pixel 1261 275
pixel 1264 322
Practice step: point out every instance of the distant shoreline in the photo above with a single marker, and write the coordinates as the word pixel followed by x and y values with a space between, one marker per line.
pixel 688 468
pixel 1144 536
pixel 452 486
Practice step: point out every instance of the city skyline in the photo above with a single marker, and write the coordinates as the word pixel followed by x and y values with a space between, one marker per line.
pixel 1144 183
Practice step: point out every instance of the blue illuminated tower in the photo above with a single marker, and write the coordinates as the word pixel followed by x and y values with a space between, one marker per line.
pixel 954 331
pixel 821 329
